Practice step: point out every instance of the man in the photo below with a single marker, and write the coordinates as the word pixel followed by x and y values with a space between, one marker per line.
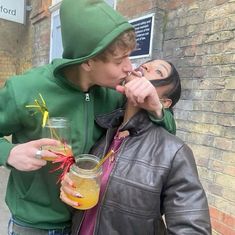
pixel 97 42
pixel 150 174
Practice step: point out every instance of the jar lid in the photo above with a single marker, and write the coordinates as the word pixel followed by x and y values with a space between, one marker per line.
pixel 84 166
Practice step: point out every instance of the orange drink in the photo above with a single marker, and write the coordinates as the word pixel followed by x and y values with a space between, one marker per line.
pixel 86 179
pixel 58 128
pixel 90 190
pixel 62 149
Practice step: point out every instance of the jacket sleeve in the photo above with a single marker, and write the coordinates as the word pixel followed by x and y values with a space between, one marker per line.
pixel 8 121
pixel 167 122
pixel 184 201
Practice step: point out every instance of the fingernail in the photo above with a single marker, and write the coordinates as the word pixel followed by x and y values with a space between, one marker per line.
pixel 72 184
pixel 78 195
pixel 77 204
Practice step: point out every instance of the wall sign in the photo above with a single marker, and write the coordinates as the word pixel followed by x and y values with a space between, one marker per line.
pixel 144 35
pixel 13 10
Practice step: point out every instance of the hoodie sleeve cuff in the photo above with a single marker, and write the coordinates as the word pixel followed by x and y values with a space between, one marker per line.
pixel 167 121
pixel 6 148
pixel 156 120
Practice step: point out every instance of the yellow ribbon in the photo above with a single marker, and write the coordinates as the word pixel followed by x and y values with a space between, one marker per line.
pixel 41 107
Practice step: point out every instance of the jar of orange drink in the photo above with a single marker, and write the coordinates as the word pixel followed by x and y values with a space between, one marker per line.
pixel 86 178
pixel 58 128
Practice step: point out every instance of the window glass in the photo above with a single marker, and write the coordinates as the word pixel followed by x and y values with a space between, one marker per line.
pixel 112 3
pixel 56 47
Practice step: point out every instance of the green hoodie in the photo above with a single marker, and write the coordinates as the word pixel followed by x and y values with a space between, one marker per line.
pixel 33 197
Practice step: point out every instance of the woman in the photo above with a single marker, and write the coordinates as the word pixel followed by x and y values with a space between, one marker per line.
pixel 152 173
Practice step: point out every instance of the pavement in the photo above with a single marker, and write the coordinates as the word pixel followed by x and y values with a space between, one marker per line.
pixel 4 212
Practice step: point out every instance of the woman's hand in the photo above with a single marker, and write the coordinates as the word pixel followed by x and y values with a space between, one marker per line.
pixel 67 189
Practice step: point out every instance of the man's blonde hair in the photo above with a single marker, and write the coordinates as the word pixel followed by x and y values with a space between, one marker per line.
pixel 126 41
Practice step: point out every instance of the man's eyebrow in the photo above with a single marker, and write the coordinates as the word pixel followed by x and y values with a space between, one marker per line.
pixel 121 57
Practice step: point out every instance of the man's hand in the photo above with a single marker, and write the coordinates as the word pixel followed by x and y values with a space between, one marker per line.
pixel 22 156
pixel 140 92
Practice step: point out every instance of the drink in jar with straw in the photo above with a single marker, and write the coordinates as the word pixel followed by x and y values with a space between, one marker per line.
pixel 58 128
pixel 86 179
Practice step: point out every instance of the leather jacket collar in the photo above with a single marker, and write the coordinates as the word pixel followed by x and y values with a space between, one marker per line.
pixel 136 125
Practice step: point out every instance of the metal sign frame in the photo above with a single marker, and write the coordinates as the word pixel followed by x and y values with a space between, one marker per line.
pixel 144 27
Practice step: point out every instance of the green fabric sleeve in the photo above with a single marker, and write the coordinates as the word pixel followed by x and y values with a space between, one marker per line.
pixel 167 121
pixel 8 121
pixel 5 147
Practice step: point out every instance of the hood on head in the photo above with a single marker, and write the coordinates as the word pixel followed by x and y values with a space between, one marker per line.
pixel 88 27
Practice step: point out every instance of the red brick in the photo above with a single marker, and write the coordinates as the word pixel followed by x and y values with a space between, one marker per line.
pixel 222 222
pixel 222 228
pixel 215 214
pixel 229 220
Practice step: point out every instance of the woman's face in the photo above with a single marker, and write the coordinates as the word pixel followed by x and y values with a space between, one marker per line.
pixel 156 69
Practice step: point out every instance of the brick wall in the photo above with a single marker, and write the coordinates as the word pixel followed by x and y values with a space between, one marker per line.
pixel 198 37
pixel 7 64
pixel 25 46
pixel 40 20
pixel 9 42
pixel 15 48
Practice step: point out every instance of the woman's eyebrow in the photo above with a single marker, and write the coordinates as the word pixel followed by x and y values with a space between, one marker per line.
pixel 163 65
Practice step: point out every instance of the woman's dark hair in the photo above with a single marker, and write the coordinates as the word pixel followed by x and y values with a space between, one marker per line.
pixel 175 91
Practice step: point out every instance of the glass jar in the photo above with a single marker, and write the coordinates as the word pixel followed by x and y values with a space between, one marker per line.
pixel 86 178
pixel 58 128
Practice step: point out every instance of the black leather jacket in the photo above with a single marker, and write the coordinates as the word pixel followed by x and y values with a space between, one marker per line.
pixel 155 174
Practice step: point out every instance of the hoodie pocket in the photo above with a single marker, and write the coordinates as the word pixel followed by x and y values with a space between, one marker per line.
pixel 37 192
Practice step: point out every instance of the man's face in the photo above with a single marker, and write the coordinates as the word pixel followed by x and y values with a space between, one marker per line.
pixel 112 72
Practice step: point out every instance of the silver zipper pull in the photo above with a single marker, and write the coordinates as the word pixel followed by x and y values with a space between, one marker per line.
pixel 87 97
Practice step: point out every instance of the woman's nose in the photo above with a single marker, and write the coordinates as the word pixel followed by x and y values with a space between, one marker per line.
pixel 145 67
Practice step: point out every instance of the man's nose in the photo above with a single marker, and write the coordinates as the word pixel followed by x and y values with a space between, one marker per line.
pixel 127 65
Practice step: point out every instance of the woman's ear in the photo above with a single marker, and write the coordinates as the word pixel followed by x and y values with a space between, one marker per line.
pixel 166 102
